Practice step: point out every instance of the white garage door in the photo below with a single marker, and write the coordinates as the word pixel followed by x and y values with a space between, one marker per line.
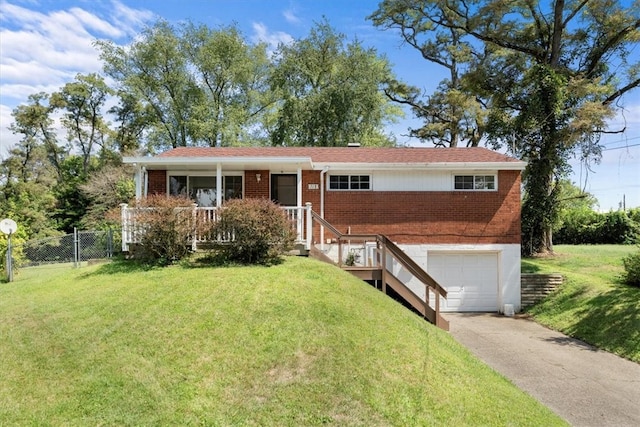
pixel 471 280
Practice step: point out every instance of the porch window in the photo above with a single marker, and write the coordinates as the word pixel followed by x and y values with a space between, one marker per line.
pixel 475 182
pixel 349 182
pixel 202 188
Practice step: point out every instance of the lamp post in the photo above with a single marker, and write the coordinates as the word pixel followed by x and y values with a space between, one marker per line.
pixel 8 227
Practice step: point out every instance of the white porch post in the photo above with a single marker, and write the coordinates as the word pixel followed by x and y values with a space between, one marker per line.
pixel 309 234
pixel 125 227
pixel 137 178
pixel 299 187
pixel 145 181
pixel 300 209
pixel 194 219
pixel 219 185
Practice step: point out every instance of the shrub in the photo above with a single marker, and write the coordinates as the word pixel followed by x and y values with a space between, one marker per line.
pixel 584 226
pixel 17 245
pixel 259 228
pixel 631 275
pixel 166 226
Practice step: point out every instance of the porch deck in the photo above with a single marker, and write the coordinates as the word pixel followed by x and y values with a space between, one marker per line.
pixel 133 229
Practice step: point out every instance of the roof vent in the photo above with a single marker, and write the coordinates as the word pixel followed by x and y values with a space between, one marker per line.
pixel 353 144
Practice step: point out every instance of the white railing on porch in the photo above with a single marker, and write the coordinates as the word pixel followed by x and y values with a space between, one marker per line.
pixel 132 229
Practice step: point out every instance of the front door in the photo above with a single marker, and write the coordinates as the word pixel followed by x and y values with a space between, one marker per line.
pixel 284 189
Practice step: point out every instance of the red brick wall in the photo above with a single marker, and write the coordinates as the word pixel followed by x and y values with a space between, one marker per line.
pixel 254 189
pixel 431 217
pixel 405 216
pixel 157 182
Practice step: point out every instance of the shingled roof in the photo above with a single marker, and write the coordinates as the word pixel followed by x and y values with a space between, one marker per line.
pixel 374 155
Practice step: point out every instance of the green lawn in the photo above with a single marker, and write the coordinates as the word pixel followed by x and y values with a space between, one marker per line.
pixel 300 343
pixel 592 305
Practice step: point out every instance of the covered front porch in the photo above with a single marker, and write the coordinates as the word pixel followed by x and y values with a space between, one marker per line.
pixel 132 228
pixel 209 182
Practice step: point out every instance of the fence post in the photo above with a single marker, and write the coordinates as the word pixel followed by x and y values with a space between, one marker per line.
pixel 76 248
pixel 125 226
pixel 309 234
pixel 109 243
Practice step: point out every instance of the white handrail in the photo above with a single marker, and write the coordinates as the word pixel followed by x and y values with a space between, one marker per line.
pixel 132 231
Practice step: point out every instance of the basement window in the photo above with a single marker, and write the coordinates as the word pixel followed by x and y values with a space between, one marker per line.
pixel 349 182
pixel 475 182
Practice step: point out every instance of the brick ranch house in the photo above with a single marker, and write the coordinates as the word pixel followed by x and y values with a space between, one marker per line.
pixel 454 211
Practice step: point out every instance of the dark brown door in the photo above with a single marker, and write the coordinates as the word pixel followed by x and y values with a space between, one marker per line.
pixel 284 189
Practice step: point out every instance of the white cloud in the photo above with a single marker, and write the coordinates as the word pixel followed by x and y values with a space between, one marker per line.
pixel 7 139
pixel 290 17
pixel 273 40
pixel 92 22
pixel 131 20
pixel 42 51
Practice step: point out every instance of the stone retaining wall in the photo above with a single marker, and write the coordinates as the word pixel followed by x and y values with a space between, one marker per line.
pixel 534 287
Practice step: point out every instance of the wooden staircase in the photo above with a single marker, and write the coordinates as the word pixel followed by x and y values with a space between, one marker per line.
pixel 377 272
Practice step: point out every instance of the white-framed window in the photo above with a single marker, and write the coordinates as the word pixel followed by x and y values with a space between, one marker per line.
pixel 349 182
pixel 475 182
pixel 202 188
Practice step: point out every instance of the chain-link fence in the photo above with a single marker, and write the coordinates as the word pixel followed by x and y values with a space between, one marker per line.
pixel 70 248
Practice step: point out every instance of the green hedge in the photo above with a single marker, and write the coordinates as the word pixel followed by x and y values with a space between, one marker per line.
pixel 584 226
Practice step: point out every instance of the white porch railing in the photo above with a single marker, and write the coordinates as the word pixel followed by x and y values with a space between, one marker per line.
pixel 132 229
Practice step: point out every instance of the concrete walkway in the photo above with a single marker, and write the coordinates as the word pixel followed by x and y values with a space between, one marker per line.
pixel 583 385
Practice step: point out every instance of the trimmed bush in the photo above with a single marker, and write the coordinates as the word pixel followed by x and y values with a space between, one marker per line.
pixel 631 275
pixel 166 229
pixel 260 231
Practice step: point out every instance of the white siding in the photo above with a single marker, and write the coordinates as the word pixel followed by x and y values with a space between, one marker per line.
pixel 410 180
pixel 503 266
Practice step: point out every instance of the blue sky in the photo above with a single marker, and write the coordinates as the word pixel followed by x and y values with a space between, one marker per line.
pixel 44 44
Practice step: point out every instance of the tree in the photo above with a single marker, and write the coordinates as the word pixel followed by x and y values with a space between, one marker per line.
pixel 31 169
pixel 33 121
pixel 549 76
pixel 192 85
pixel 155 69
pixel 106 190
pixel 132 119
pixel 82 101
pixel 330 93
pixel 232 76
pixel 453 114
pixel 71 202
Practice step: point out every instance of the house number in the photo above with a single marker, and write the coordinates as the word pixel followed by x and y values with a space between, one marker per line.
pixel 313 186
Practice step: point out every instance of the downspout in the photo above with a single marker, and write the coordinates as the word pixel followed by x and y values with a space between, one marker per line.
pixel 322 173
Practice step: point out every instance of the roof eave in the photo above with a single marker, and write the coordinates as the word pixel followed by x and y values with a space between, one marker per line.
pixel 195 161
pixel 517 165
pixel 200 161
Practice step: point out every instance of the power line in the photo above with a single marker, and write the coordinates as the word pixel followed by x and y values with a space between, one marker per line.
pixel 621 140
pixel 620 148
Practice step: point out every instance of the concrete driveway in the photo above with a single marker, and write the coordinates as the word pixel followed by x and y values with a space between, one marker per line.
pixel 583 385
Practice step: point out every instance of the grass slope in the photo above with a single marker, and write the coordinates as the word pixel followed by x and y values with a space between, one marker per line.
pixel 300 343
pixel 592 304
